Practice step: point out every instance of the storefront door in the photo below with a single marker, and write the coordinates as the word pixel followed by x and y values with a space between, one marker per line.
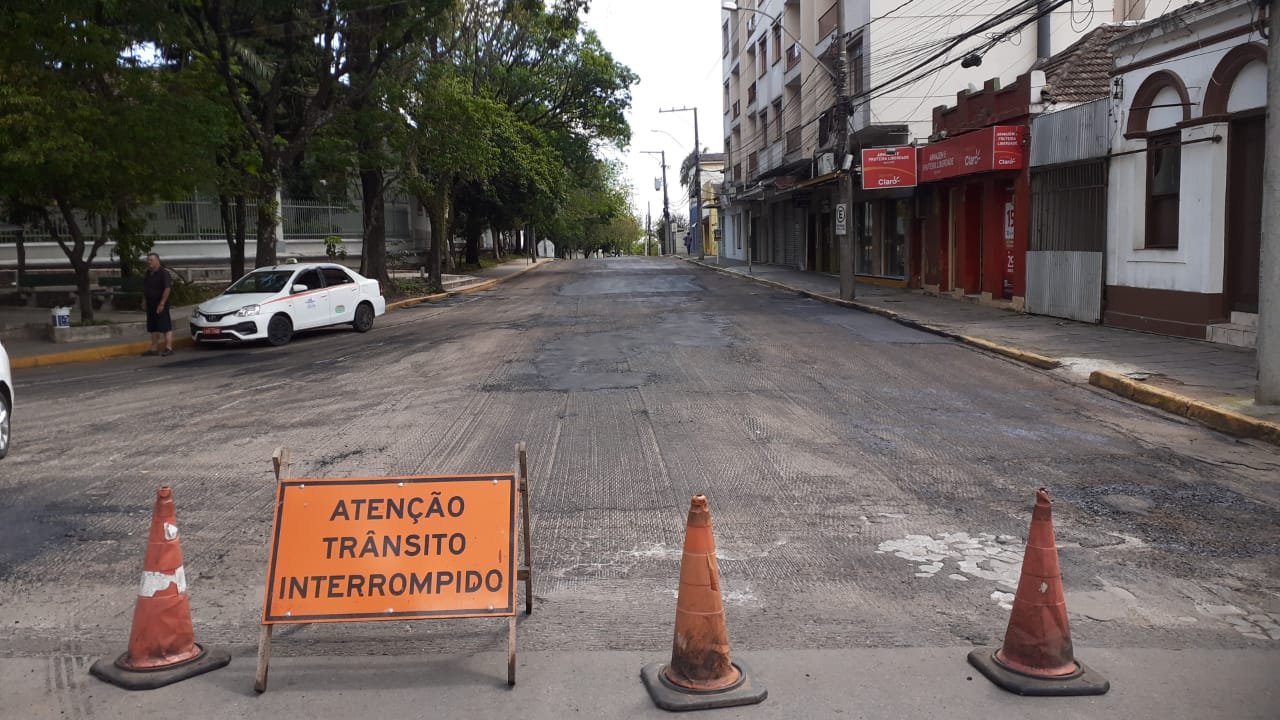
pixel 1244 213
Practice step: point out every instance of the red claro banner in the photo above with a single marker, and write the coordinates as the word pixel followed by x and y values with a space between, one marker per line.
pixel 888 168
pixel 991 148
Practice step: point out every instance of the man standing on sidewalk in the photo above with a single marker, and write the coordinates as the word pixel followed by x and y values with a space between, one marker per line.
pixel 156 287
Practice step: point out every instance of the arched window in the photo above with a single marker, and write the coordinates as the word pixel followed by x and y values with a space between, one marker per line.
pixel 1166 92
pixel 1218 94
pixel 1160 103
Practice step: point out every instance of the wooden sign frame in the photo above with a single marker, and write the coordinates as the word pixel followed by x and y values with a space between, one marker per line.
pixel 282 465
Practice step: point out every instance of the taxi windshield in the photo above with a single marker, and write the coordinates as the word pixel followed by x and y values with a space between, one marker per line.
pixel 262 281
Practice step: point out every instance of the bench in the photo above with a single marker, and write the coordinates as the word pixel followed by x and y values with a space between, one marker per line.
pixel 35 287
pixel 122 293
pixel 32 285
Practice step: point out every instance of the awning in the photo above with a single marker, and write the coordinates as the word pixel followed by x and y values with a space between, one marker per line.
pixel 820 180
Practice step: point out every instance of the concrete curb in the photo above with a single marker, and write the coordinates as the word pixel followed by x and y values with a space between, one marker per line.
pixel 1226 421
pixel 1030 358
pixel 1231 423
pixel 124 350
pixel 91 354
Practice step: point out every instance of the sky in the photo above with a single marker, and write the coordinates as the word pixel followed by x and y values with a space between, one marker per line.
pixel 674 47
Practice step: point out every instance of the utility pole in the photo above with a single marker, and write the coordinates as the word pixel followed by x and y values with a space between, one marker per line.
pixel 648 226
pixel 1268 350
pixel 668 245
pixel 697 178
pixel 844 192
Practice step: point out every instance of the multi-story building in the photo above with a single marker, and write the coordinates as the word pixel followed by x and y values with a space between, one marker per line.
pixel 787 151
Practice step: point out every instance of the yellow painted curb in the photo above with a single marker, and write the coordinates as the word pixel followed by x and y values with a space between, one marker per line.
pixel 1029 358
pixel 485 285
pixel 1229 422
pixel 91 354
pixel 416 301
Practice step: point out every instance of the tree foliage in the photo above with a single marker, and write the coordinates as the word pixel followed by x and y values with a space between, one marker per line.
pixel 88 132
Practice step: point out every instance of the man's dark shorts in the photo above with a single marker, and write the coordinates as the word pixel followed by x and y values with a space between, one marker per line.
pixel 159 321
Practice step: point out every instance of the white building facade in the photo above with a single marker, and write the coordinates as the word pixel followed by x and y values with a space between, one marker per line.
pixel 1185 190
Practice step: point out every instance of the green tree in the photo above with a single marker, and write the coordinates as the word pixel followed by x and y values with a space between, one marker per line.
pixel 289 68
pixel 88 131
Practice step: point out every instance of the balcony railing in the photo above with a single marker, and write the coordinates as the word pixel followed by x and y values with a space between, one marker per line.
pixel 751 94
pixel 793 140
pixel 793 56
pixel 827 23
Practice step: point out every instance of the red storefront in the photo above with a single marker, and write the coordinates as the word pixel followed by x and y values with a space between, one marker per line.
pixel 977 196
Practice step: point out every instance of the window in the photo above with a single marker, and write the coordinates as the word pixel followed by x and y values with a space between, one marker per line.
pixel 777 120
pixel 857 71
pixel 310 278
pixel 727 103
pixel 335 276
pixel 763 54
pixel 1164 168
pixel 724 35
pixel 777 43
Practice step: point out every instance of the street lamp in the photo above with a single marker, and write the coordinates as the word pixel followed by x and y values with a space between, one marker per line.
pixel 666 213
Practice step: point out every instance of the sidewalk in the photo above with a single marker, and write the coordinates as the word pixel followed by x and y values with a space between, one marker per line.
pixel 1211 383
pixel 129 333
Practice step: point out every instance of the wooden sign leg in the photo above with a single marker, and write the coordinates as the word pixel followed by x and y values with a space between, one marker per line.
pixel 264 659
pixel 526 572
pixel 511 650
pixel 280 463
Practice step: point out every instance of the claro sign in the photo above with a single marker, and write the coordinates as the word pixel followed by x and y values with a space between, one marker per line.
pixel 888 168
pixel 984 150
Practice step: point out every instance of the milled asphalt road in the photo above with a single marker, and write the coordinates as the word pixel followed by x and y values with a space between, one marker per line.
pixel 870 488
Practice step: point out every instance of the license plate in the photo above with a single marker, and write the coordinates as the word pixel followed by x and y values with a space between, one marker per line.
pixel 211 331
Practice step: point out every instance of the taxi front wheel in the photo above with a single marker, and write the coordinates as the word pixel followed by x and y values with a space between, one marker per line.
pixel 279 330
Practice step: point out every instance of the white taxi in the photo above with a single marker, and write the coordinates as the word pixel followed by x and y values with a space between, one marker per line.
pixel 272 303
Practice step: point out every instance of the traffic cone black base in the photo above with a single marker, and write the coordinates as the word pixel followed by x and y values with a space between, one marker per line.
pixel 120 675
pixel 1081 682
pixel 669 696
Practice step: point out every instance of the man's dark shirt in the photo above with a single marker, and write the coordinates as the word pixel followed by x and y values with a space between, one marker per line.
pixel 154 284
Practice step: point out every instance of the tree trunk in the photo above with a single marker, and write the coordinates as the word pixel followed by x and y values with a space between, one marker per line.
pixel 437 210
pixel 268 212
pixel 233 220
pixel 474 229
pixel 373 261
pixel 22 253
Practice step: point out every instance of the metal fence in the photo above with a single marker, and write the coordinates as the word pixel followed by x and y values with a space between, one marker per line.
pixel 191 231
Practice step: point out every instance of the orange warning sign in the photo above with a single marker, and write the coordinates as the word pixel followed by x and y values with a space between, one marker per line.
pixel 350 549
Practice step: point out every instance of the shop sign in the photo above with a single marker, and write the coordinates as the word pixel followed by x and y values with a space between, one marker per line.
pixel 888 168
pixel 984 150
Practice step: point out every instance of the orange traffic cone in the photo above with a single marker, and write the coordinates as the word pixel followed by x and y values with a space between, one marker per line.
pixel 1037 657
pixel 162 648
pixel 700 674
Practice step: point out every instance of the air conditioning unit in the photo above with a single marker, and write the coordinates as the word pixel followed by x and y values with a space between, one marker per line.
pixel 826 163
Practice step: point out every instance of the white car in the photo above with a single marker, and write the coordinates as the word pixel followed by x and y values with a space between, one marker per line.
pixel 6 402
pixel 271 303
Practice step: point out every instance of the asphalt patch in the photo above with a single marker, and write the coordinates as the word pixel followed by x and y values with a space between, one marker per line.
pixel 1202 519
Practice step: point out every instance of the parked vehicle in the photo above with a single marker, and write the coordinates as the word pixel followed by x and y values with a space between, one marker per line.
pixel 6 403
pixel 272 303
